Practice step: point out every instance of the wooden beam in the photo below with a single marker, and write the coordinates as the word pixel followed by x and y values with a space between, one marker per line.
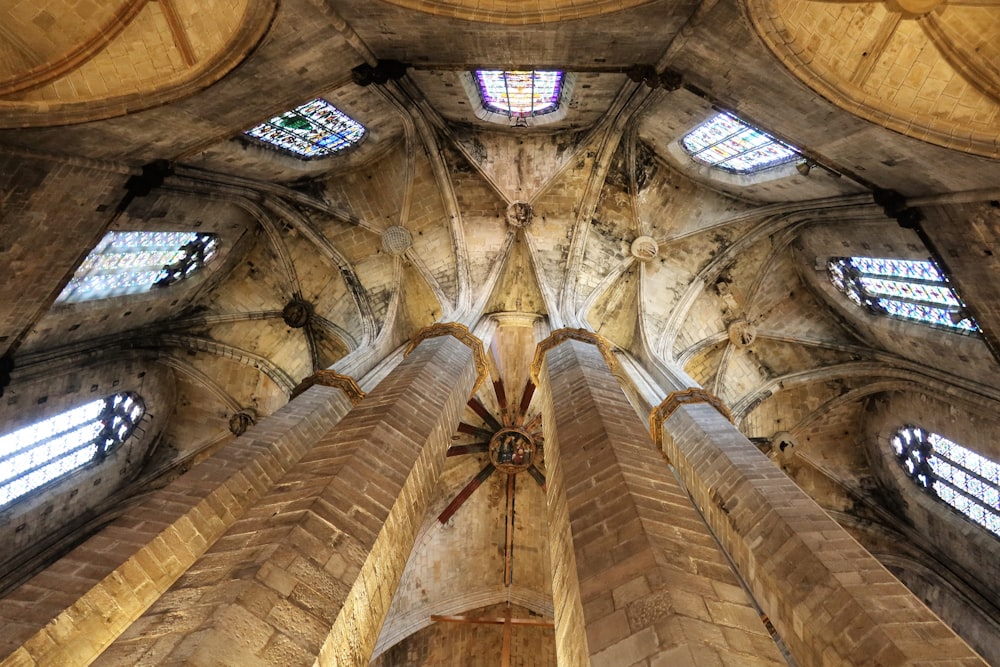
pixel 464 494
pixel 474 448
pixel 529 392
pixel 508 559
pixel 498 389
pixel 469 429
pixel 481 410
pixel 537 475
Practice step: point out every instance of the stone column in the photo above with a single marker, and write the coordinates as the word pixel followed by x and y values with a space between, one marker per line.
pixel 831 601
pixel 306 577
pixel 71 611
pixel 637 577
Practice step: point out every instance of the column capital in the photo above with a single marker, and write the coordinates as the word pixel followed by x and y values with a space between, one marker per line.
pixel 463 335
pixel 329 378
pixel 676 399
pixel 560 336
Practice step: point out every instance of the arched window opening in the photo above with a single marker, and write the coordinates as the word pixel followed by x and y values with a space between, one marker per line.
pixel 52 448
pixel 134 262
pixel 725 142
pixel 313 130
pixel 960 477
pixel 520 93
pixel 912 290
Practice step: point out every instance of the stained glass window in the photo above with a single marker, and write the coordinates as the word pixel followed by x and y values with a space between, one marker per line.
pixel 520 93
pixel 314 129
pixel 37 454
pixel 909 289
pixel 134 262
pixel 728 143
pixel 960 477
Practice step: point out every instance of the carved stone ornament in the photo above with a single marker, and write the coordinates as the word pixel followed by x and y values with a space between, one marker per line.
pixel 242 420
pixel 396 240
pixel 520 214
pixel 741 332
pixel 328 378
pixel 676 399
pixel 512 450
pixel 560 336
pixel 645 248
pixel 297 313
pixel 462 333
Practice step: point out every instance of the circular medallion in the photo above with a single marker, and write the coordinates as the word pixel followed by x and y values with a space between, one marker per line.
pixel 519 214
pixel 645 248
pixel 511 450
pixel 396 240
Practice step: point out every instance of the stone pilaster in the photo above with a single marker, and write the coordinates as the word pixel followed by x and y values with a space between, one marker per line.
pixel 71 611
pixel 638 578
pixel 831 601
pixel 306 577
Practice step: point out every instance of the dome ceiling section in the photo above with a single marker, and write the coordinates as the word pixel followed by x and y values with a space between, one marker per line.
pixel 67 62
pixel 924 68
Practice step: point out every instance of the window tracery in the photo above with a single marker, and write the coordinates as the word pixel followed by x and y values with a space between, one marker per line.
pixel 913 290
pixel 958 476
pixel 52 448
pixel 312 130
pixel 725 142
pixel 520 93
pixel 133 262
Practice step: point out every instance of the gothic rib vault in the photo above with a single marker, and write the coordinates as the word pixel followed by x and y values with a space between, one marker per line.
pixel 513 232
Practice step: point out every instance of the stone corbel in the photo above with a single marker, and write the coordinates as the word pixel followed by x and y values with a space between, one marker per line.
pixel 328 378
pixel 560 336
pixel 463 335
pixel 676 399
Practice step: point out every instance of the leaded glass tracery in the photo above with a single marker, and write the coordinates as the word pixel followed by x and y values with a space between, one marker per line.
pixel 133 262
pixel 40 453
pixel 727 143
pixel 956 475
pixel 520 93
pixel 909 289
pixel 312 130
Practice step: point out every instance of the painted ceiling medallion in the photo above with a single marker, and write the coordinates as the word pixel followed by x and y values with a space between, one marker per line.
pixel 512 450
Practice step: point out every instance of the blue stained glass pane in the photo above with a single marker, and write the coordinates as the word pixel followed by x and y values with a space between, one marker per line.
pixel 520 93
pixel 898 268
pixel 314 129
pixel 900 289
pixel 730 144
pixel 132 262
pixel 909 289
pixel 38 454
pixel 965 480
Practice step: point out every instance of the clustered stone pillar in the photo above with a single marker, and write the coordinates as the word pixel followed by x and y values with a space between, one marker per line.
pixel 831 601
pixel 638 578
pixel 307 575
pixel 71 611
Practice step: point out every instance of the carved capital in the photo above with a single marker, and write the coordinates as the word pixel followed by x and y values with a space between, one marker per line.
pixel 463 335
pixel 328 378
pixel 560 336
pixel 676 399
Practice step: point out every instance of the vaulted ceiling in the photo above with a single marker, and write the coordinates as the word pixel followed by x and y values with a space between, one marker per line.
pixel 736 295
